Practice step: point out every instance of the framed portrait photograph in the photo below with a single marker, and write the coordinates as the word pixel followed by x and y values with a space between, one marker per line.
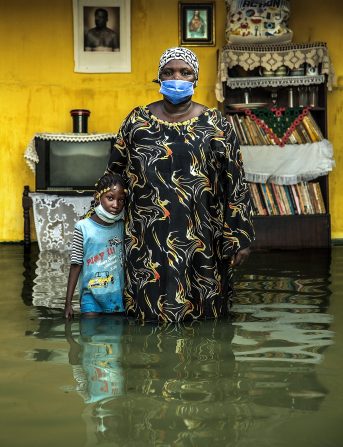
pixel 102 36
pixel 196 24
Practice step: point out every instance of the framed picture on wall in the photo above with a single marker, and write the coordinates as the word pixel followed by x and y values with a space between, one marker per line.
pixel 102 36
pixel 196 24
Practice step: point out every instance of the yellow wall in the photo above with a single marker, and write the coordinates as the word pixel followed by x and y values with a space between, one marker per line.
pixel 38 86
pixel 314 20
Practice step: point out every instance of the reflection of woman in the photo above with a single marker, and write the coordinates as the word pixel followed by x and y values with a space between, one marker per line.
pixel 189 210
pixel 180 384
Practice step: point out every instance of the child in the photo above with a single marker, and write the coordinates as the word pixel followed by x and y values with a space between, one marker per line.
pixel 97 252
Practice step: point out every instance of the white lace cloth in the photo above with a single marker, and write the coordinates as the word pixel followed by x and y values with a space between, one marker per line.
pixel 31 156
pixel 55 217
pixel 272 57
pixel 274 81
pixel 288 165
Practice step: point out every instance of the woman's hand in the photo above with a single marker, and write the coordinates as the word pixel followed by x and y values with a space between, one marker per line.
pixel 240 257
pixel 68 312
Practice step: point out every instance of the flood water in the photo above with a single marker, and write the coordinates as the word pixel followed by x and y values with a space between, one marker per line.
pixel 270 377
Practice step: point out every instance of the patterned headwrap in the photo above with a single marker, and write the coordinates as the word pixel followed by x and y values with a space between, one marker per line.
pixel 179 53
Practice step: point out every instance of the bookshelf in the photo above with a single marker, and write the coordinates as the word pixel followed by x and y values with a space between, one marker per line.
pixel 281 123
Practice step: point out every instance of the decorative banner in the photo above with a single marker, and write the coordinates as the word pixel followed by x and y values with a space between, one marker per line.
pixel 278 122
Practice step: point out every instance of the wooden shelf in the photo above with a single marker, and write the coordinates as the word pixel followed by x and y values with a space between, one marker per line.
pixel 284 231
pixel 241 111
pixel 292 232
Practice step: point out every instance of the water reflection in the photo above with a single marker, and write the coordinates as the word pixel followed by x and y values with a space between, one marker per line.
pixel 95 356
pixel 282 316
pixel 203 383
pixel 282 329
pixel 179 387
pixel 46 276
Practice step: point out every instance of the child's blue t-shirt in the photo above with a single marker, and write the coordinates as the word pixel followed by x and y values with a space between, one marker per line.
pixel 102 274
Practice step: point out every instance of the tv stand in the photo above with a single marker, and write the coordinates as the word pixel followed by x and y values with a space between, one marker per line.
pixel 27 205
pixel 70 200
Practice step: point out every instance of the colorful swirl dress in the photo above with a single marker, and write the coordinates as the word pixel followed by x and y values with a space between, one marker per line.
pixel 188 212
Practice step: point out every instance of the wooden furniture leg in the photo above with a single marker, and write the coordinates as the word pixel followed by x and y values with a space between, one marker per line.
pixel 27 204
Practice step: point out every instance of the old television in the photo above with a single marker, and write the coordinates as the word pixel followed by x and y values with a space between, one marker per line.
pixel 70 167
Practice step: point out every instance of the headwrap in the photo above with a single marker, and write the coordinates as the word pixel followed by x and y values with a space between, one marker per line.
pixel 182 53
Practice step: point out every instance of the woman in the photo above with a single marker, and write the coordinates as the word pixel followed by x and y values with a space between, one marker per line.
pixel 188 216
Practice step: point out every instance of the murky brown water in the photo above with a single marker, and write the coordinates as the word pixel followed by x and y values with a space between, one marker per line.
pixel 272 376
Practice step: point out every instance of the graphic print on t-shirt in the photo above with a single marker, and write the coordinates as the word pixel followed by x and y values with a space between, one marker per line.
pixel 104 268
pixel 101 279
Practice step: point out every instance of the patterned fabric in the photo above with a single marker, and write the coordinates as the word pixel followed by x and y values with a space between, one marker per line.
pixel 76 256
pixel 55 217
pixel 188 212
pixel 262 21
pixel 272 57
pixel 278 122
pixel 182 54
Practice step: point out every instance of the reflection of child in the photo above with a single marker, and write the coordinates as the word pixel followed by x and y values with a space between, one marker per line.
pixel 97 252
pixel 95 357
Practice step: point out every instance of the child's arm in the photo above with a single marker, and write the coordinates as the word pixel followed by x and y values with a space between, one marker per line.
pixel 76 258
pixel 74 273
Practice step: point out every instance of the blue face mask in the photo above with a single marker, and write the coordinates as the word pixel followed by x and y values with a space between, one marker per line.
pixel 177 91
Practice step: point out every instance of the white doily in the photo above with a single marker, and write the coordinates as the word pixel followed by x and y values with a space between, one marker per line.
pixel 55 217
pixel 281 81
pixel 272 57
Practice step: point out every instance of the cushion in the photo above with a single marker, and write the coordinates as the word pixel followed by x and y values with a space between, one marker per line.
pixel 258 21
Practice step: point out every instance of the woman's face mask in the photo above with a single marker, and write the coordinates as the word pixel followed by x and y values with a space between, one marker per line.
pixel 177 91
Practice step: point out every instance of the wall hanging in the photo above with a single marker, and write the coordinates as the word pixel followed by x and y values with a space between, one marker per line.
pixel 102 36
pixel 196 24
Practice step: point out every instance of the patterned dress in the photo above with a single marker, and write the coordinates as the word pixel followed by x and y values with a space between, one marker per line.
pixel 188 212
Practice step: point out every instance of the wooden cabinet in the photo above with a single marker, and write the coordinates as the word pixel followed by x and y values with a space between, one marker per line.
pixel 265 88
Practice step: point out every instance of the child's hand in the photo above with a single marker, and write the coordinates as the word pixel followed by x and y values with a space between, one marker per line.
pixel 68 312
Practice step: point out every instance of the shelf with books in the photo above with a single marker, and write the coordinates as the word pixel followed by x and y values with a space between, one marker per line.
pixel 271 199
pixel 281 125
pixel 254 128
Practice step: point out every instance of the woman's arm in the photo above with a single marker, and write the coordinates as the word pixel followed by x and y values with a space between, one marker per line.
pixel 238 233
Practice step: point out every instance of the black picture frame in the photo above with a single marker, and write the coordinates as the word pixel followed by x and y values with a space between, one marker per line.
pixel 197 24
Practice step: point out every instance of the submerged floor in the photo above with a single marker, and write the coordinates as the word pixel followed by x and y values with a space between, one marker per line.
pixel 272 376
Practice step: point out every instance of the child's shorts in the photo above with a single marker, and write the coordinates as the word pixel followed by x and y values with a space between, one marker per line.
pixel 109 304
